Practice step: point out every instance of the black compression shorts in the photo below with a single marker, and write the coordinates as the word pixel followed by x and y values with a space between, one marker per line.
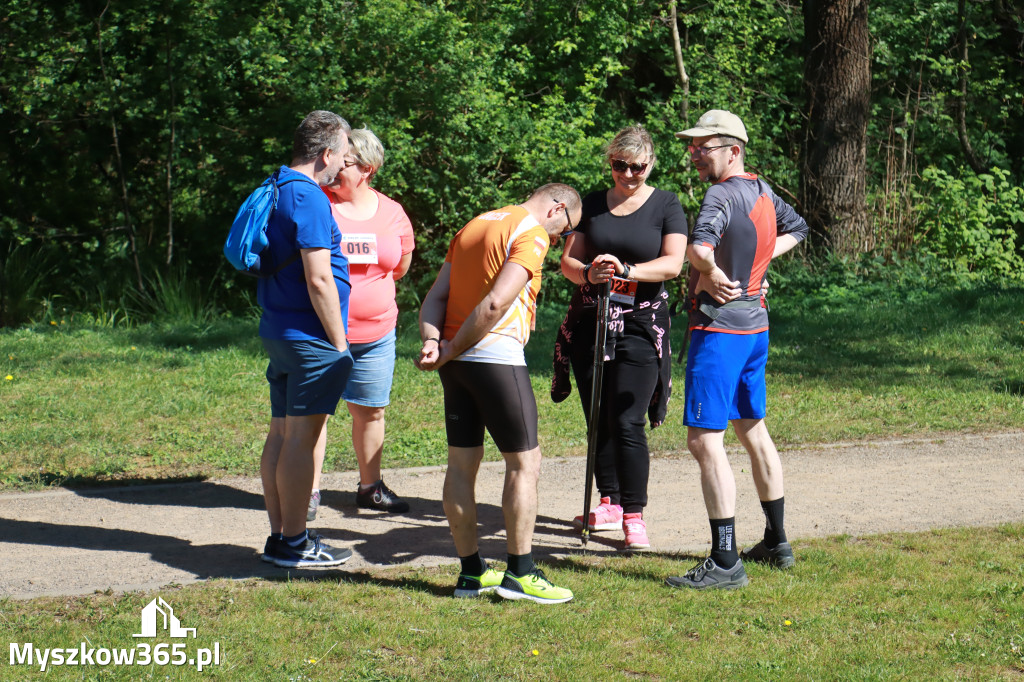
pixel 480 395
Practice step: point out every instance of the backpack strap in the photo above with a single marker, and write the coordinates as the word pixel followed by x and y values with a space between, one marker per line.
pixel 274 180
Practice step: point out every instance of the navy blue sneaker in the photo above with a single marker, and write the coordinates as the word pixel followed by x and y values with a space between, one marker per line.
pixel 269 549
pixel 313 553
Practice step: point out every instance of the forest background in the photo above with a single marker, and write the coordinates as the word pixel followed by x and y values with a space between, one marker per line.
pixel 133 130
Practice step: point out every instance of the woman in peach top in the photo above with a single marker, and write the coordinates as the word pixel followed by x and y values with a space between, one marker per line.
pixel 377 239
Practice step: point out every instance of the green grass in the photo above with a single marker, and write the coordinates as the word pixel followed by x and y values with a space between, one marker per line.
pixel 89 403
pixel 940 605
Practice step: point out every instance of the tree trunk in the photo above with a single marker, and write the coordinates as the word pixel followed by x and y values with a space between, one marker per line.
pixel 170 158
pixel 960 105
pixel 837 75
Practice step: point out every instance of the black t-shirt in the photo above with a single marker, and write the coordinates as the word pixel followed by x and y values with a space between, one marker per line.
pixel 633 238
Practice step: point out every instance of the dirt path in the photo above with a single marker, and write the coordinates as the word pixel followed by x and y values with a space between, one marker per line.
pixel 66 542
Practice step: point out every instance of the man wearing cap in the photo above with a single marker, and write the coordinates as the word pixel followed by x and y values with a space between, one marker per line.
pixel 741 227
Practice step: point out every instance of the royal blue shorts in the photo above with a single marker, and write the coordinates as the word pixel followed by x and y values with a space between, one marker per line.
pixel 724 378
pixel 305 377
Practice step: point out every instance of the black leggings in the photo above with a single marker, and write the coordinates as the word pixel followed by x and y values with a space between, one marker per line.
pixel 623 461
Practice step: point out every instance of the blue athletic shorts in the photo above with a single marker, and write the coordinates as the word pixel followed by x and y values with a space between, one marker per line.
pixel 724 378
pixel 369 384
pixel 306 377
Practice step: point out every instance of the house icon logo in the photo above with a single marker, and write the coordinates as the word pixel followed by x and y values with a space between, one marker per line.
pixel 170 622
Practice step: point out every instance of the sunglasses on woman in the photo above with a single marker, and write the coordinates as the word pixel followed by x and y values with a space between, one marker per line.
pixel 620 166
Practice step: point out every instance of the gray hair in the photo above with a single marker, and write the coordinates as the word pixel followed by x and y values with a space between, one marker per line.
pixel 320 130
pixel 366 150
pixel 632 142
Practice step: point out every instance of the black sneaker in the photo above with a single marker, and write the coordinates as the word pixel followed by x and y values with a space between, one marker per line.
pixel 381 498
pixel 269 549
pixel 313 553
pixel 779 556
pixel 707 575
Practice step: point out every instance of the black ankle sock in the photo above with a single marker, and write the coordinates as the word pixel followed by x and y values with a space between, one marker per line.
pixel 723 544
pixel 296 540
pixel 473 564
pixel 774 515
pixel 520 564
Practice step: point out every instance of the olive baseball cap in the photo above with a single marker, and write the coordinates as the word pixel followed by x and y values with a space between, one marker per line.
pixel 717 122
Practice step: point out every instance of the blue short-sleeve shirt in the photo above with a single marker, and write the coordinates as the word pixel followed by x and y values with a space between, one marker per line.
pixel 302 220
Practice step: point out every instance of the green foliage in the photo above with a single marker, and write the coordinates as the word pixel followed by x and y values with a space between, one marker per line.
pixel 25 278
pixel 973 222
pixel 133 131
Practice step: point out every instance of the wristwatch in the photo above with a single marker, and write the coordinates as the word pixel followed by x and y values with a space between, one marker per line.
pixel 586 272
pixel 626 267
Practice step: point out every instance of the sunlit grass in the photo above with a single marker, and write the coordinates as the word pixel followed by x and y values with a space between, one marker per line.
pixel 85 402
pixel 929 606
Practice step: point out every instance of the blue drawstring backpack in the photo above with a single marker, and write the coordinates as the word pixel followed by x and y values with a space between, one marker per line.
pixel 247 238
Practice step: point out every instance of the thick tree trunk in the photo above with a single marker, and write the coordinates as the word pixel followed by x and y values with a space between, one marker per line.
pixel 837 75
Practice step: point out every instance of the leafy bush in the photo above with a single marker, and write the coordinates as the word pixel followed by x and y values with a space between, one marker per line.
pixel 973 222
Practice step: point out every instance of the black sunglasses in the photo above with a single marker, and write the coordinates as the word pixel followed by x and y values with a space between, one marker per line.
pixel 568 230
pixel 620 166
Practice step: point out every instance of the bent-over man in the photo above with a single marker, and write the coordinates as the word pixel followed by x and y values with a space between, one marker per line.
pixel 475 322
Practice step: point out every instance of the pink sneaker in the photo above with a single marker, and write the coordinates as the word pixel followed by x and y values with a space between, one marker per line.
pixel 606 516
pixel 635 528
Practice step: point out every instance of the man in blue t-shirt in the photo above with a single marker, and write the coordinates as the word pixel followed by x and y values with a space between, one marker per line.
pixel 303 328
pixel 741 227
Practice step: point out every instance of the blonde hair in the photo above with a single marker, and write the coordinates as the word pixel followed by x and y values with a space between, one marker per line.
pixel 366 150
pixel 632 142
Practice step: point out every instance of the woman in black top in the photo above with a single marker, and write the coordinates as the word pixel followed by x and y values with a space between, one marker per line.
pixel 634 235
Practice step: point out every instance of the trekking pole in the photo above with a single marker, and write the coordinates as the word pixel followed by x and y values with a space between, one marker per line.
pixel 594 413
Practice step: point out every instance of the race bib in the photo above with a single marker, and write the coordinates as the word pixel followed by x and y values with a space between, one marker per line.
pixel 360 247
pixel 623 290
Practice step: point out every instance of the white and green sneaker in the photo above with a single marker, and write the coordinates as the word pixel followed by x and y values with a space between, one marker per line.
pixel 475 585
pixel 533 586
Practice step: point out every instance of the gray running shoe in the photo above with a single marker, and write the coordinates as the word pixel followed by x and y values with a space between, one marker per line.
pixel 314 505
pixel 779 556
pixel 707 575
